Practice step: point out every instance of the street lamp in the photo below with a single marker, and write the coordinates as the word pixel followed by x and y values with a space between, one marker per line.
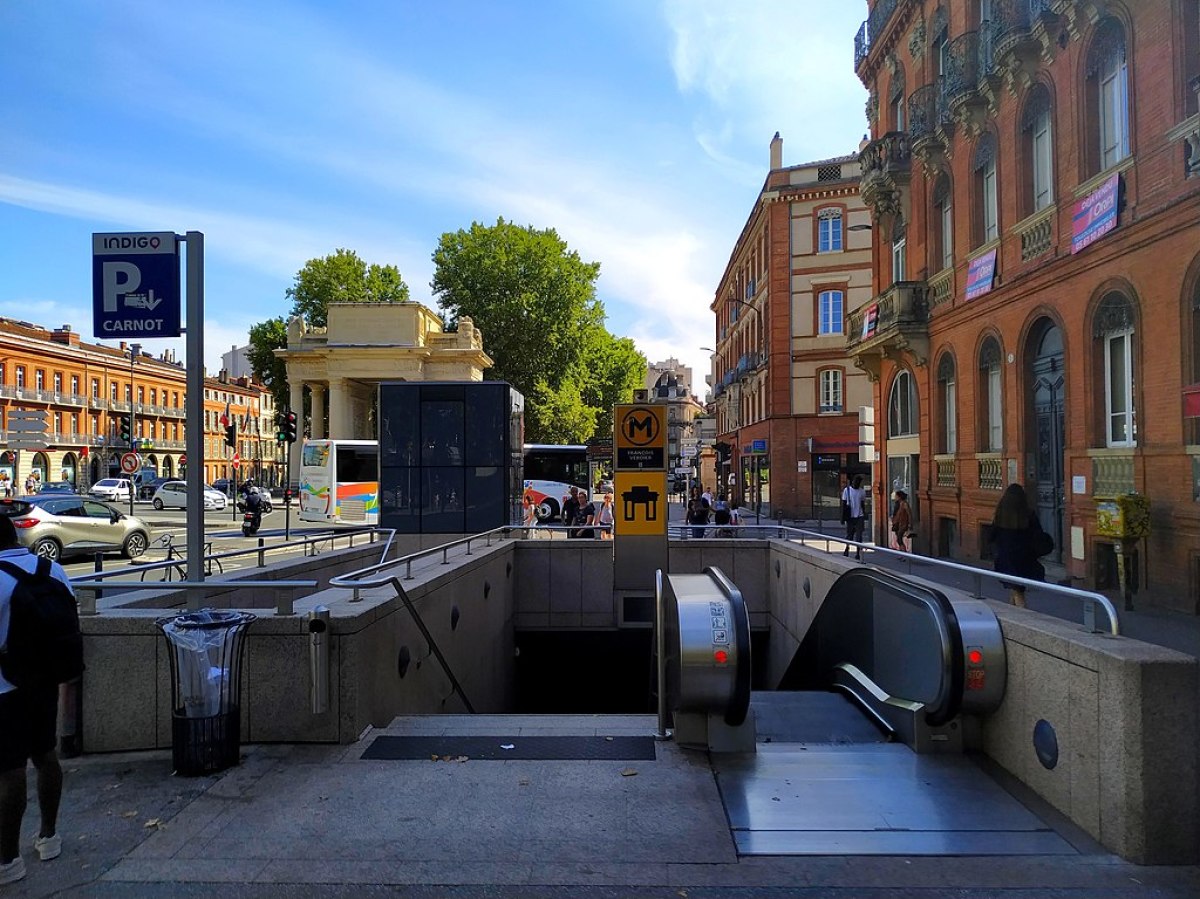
pixel 135 350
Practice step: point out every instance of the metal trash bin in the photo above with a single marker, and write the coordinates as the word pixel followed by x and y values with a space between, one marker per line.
pixel 206 649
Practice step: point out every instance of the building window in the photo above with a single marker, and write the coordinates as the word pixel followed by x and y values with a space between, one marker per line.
pixel 39 379
pixel 142 395
pixel 896 99
pixel 1114 328
pixel 991 406
pixel 943 224
pixel 829 231
pixel 115 388
pixel 948 401
pixel 20 376
pixel 75 385
pixel 1192 425
pixel 830 305
pixel 1108 94
pixel 58 382
pixel 831 390
pixel 899 252
pixel 902 406
pixel 987 218
pixel 74 423
pixel 95 388
pixel 1038 146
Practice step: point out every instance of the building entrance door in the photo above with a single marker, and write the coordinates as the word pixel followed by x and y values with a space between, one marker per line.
pixel 1047 451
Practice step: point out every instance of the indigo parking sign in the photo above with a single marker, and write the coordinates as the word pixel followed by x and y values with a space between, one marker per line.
pixel 135 285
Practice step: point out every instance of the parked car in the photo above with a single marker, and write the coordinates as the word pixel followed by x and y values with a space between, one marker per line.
pixel 147 488
pixel 58 487
pixel 225 485
pixel 57 525
pixel 173 495
pixel 112 489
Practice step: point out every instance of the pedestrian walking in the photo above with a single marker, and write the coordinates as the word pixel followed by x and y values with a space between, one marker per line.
pixel 529 515
pixel 697 512
pixel 570 510
pixel 1019 540
pixel 605 517
pixel 902 522
pixel 28 715
pixel 854 496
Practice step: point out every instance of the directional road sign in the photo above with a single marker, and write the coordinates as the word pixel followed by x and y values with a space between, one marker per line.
pixel 135 285
pixel 27 429
pixel 130 462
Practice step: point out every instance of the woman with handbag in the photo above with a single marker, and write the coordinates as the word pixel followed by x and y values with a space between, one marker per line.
pixel 1019 540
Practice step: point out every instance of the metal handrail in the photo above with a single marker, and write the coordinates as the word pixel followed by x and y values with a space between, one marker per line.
pixel 1089 598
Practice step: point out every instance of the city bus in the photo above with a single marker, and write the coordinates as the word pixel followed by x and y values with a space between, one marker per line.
pixel 549 472
pixel 339 481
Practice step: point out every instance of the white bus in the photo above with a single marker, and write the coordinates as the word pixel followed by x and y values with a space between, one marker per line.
pixel 339 481
pixel 549 472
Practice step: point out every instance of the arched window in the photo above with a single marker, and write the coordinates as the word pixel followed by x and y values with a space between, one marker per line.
pixel 1113 328
pixel 1037 148
pixel 948 405
pixel 831 390
pixel 1108 95
pixel 829 230
pixel 943 224
pixel 991 398
pixel 987 214
pixel 902 406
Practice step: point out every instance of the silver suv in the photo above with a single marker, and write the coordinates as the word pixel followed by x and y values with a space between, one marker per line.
pixel 58 525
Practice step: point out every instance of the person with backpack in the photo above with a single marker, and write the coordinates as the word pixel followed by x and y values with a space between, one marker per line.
pixel 40 647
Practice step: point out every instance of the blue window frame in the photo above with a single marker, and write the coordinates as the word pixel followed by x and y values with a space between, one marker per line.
pixel 830 303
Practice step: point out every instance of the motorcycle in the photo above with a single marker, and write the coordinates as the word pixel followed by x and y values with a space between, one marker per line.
pixel 264 500
pixel 251 522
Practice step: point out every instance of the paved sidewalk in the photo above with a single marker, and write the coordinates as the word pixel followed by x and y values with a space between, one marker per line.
pixel 318 821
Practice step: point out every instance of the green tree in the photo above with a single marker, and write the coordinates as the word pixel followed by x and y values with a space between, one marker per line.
pixel 265 338
pixel 535 301
pixel 343 278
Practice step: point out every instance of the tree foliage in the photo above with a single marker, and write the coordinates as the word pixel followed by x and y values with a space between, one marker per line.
pixel 343 278
pixel 265 338
pixel 535 301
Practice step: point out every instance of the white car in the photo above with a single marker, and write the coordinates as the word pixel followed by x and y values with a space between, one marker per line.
pixel 114 490
pixel 173 495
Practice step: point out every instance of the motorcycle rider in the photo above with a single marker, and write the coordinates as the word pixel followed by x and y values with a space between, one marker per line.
pixel 252 502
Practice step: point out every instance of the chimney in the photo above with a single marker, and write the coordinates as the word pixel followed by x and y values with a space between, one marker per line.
pixel 776 152
pixel 65 335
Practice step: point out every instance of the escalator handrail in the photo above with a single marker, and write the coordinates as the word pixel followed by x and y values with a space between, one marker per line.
pixel 739 700
pixel 953 666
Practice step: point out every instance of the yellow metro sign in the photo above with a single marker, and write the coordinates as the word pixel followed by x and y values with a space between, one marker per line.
pixel 640 503
pixel 640 438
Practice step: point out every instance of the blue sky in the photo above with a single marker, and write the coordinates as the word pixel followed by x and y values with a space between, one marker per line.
pixel 639 129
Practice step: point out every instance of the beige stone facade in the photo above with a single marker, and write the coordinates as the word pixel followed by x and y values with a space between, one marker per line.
pixel 341 365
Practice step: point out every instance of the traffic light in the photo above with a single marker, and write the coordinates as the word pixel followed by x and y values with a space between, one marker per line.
pixel 290 427
pixel 231 434
pixel 281 427
pixel 125 428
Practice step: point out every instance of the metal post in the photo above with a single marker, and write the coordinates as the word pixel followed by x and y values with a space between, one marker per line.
pixel 287 495
pixel 195 411
pixel 660 643
pixel 134 350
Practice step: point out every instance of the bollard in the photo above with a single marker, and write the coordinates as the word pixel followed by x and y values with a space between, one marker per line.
pixel 262 556
pixel 318 658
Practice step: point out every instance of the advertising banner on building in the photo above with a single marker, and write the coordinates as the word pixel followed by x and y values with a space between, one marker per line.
pixel 1095 215
pixel 870 319
pixel 981 274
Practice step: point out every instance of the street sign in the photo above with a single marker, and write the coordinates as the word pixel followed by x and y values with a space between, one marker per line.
pixel 130 462
pixel 684 469
pixel 640 437
pixel 686 450
pixel 27 429
pixel 135 285
pixel 641 503
pixel 237 461
pixel 183 458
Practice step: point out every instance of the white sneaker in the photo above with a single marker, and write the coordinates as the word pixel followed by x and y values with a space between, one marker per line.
pixel 48 847
pixel 13 871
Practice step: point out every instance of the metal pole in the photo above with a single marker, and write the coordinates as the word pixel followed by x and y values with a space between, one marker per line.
pixel 287 495
pixel 195 410
pixel 134 349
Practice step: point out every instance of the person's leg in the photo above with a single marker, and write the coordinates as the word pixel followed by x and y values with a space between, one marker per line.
pixel 43 715
pixel 1017 596
pixel 12 810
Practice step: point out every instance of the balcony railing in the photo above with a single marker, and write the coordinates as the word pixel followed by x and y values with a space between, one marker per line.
pixel 1036 233
pixel 941 288
pixel 872 28
pixel 962 68
pixel 991 471
pixel 887 154
pixel 903 305
pixel 926 112
pixel 947 470
pixel 862 45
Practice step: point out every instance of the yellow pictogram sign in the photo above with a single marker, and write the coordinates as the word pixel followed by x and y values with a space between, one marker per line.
pixel 640 503
pixel 640 437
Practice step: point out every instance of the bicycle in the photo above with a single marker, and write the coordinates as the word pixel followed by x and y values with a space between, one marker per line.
pixel 174 554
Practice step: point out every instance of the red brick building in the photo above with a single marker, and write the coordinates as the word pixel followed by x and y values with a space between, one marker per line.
pixel 784 396
pixel 1032 175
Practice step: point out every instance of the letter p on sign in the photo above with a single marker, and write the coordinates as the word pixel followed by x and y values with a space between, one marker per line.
pixel 119 278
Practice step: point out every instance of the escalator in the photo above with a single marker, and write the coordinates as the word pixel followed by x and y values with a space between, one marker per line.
pixel 863 747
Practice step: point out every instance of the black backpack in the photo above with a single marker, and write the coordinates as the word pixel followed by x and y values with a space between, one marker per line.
pixel 44 645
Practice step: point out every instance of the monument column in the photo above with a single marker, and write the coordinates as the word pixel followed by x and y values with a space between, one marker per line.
pixel 339 410
pixel 296 404
pixel 317 391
